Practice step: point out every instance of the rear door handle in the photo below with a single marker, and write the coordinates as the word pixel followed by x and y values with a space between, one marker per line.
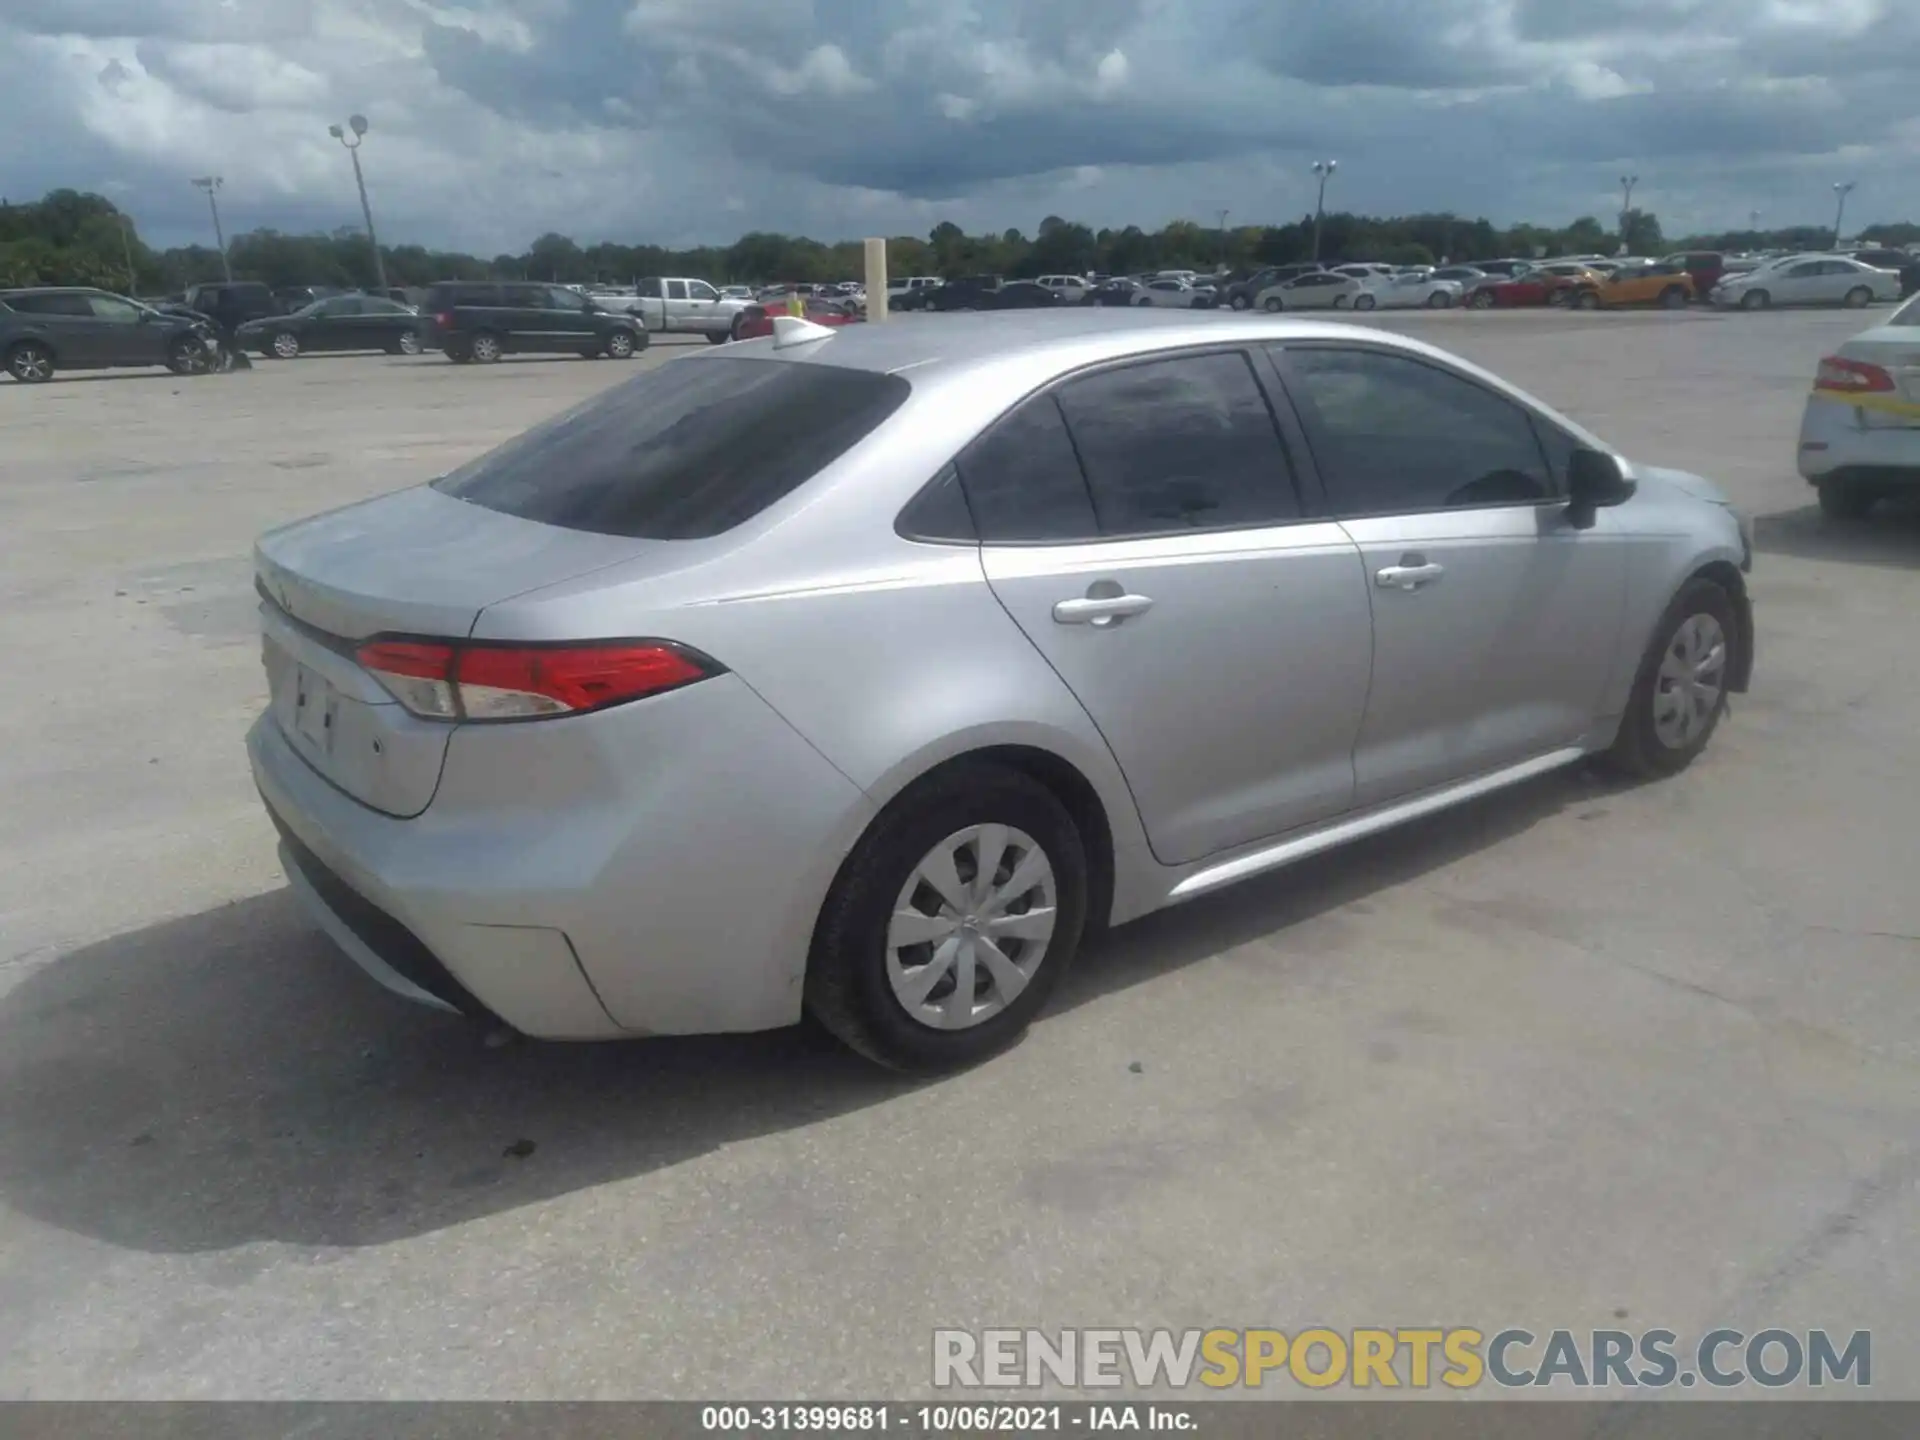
pixel 1100 609
pixel 1410 574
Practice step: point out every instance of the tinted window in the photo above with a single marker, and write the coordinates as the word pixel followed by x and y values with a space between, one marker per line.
pixel 67 304
pixel 1179 444
pixel 445 297
pixel 1393 435
pixel 1811 267
pixel 382 307
pixel 561 298
pixel 682 452
pixel 1023 480
pixel 524 297
pixel 939 512
pixel 112 307
pixel 676 289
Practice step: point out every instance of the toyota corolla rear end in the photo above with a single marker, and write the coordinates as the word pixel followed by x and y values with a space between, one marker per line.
pixel 509 777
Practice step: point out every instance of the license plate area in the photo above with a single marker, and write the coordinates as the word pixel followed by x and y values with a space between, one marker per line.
pixel 316 709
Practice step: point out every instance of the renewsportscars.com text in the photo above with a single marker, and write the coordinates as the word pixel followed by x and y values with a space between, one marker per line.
pixel 1459 1358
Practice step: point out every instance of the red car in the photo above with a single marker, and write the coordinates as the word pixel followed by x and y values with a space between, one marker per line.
pixel 1543 285
pixel 757 320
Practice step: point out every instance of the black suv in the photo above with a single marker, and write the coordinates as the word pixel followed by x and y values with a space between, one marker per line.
pixel 969 292
pixel 231 303
pixel 483 320
pixel 72 328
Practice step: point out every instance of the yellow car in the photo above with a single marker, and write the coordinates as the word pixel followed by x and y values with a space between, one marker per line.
pixel 1646 283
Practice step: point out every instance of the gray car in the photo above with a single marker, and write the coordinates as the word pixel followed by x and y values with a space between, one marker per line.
pixel 52 328
pixel 866 671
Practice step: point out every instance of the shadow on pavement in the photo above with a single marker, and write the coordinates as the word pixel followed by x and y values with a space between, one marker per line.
pixel 228 1077
pixel 1889 537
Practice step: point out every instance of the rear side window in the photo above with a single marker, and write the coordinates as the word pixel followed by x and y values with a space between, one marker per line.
pixel 57 304
pixel 684 452
pixel 1023 481
pixel 1180 444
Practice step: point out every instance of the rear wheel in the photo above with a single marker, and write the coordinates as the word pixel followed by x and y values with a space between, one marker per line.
pixel 1241 302
pixel 1846 499
pixel 738 322
pixel 189 356
pixel 1482 300
pixel 1681 690
pixel 1755 300
pixel 408 343
pixel 1673 298
pixel 719 337
pixel 285 345
pixel 1587 300
pixel 951 922
pixel 620 344
pixel 1363 302
pixel 1439 300
pixel 484 348
pixel 30 362
pixel 1273 304
pixel 1859 298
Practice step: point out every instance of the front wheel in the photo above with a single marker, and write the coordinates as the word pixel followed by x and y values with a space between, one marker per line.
pixel 1755 300
pixel 408 343
pixel 951 922
pixel 30 362
pixel 285 346
pixel 1364 302
pixel 1859 298
pixel 484 349
pixel 1439 300
pixel 1586 300
pixel 1274 304
pixel 1241 302
pixel 1681 690
pixel 1482 300
pixel 1673 298
pixel 189 356
pixel 620 344
pixel 719 337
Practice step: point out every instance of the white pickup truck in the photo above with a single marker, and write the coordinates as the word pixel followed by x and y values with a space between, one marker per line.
pixel 683 307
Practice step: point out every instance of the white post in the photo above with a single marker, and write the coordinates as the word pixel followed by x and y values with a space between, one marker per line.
pixel 876 279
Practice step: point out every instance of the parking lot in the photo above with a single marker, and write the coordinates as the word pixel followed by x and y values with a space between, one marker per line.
pixel 1578 1056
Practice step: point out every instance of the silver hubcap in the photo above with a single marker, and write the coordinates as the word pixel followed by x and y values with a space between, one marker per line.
pixel 30 364
pixel 409 344
pixel 485 349
pixel 1693 676
pixel 285 346
pixel 971 926
pixel 621 346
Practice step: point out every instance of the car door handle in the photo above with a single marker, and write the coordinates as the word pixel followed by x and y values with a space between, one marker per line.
pixel 1100 609
pixel 1408 576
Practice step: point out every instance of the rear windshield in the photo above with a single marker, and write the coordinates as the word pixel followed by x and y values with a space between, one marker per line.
pixel 683 452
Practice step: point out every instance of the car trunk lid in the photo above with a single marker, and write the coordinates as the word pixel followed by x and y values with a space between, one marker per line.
pixel 413 563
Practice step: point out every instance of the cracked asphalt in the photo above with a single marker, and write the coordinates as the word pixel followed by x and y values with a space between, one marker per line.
pixel 1578 1056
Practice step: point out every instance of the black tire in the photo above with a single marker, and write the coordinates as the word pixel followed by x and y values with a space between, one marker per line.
pixel 1673 297
pixel 1755 300
pixel 1587 300
pixel 1439 300
pixel 30 362
pixel 407 344
pixel 189 355
pixel 457 354
pixel 1638 750
pixel 1364 302
pixel 719 339
pixel 1241 302
pixel 1858 298
pixel 1481 300
pixel 733 334
pixel 1846 499
pixel 284 345
pixel 1274 304
pixel 621 345
pixel 484 348
pixel 847 989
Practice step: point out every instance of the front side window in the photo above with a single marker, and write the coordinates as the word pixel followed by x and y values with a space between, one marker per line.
pixel 1394 435
pixel 683 452
pixel 112 307
pixel 700 290
pixel 561 298
pixel 1179 444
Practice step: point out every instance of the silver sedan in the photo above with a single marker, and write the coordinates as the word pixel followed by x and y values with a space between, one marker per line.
pixel 1808 280
pixel 1860 433
pixel 865 671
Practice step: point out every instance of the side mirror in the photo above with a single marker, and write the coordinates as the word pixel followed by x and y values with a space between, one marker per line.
pixel 1595 480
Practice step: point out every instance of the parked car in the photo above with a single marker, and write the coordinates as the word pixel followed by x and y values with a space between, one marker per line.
pixel 1363 272
pixel 1705 267
pixel 1115 290
pixel 1026 295
pixel 231 303
pixel 970 292
pixel 1643 282
pixel 1808 280
pixel 1407 291
pixel 1537 286
pixel 342 322
pixel 1315 290
pixel 1860 432
pixel 1903 263
pixel 46 329
pixel 495 809
pixel 483 320
pixel 757 319
pixel 1168 293
pixel 1504 268
pixel 297 297
pixel 1467 275
pixel 1072 288
pixel 1244 294
pixel 670 306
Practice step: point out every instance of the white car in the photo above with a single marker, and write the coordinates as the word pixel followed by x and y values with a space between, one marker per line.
pixel 1860 433
pixel 1364 271
pixel 1072 288
pixel 1808 280
pixel 1316 290
pixel 1407 292
pixel 1170 294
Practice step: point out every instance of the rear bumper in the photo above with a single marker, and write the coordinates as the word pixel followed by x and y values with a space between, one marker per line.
pixel 650 869
pixel 1836 437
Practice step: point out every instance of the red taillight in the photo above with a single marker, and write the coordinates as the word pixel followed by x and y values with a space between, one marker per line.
pixel 444 319
pixel 439 681
pixel 1852 377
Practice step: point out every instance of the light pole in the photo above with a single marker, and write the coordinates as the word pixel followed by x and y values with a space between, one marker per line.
pixel 1840 191
pixel 1753 222
pixel 1223 238
pixel 126 249
pixel 1627 182
pixel 1324 169
pixel 211 184
pixel 358 124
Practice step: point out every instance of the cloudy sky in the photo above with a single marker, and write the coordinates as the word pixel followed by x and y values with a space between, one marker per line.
pixel 682 121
